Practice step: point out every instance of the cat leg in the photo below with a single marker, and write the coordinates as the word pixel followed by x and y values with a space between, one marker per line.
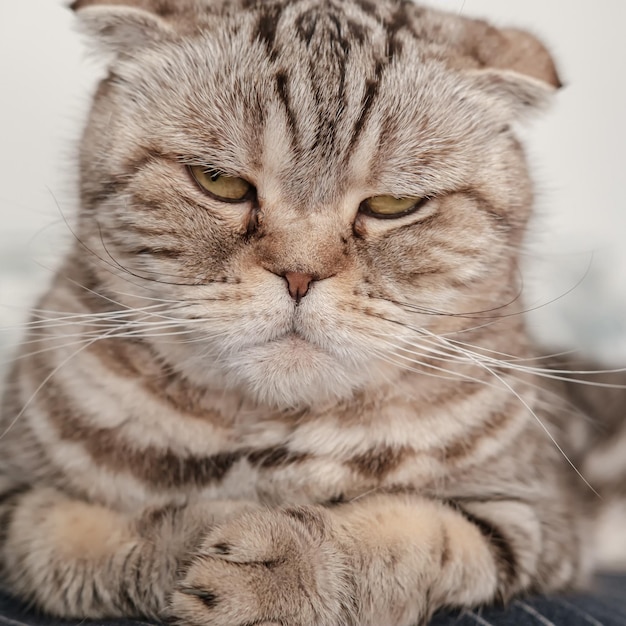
pixel 390 560
pixel 75 559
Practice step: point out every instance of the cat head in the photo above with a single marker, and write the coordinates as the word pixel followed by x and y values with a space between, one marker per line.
pixel 314 186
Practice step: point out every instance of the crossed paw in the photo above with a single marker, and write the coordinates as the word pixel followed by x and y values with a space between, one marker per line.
pixel 268 568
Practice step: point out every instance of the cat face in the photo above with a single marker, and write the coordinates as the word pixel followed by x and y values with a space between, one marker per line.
pixel 310 184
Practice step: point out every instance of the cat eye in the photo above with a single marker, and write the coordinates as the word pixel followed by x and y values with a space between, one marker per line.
pixel 387 207
pixel 221 187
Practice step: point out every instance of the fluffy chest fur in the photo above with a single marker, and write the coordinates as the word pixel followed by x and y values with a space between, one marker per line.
pixel 121 414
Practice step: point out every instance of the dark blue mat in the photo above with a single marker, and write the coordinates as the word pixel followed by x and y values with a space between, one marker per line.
pixel 604 606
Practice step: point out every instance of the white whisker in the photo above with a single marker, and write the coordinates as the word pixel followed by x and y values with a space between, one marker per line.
pixel 41 386
pixel 478 362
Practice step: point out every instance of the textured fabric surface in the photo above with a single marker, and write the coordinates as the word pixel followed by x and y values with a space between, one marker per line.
pixel 605 605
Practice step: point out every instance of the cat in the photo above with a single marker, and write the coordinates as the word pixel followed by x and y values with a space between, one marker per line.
pixel 272 382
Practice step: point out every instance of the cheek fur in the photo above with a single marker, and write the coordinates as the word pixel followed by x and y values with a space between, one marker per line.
pixel 458 246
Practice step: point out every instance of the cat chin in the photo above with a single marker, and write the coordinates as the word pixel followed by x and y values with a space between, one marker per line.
pixel 293 373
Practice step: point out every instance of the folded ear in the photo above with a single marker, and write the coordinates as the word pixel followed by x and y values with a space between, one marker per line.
pixel 124 25
pixel 517 51
pixel 515 67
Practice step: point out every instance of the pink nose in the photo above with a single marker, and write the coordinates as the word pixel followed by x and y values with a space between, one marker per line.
pixel 298 284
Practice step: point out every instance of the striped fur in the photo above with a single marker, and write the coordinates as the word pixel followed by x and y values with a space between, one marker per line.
pixel 184 439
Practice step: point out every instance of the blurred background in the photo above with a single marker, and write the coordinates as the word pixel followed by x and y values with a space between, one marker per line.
pixel 575 257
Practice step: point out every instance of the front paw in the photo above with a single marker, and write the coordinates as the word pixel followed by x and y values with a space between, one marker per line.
pixel 280 567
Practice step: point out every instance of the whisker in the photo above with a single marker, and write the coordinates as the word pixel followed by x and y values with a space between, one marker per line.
pixel 549 373
pixel 478 362
pixel 150 333
pixel 454 375
pixel 542 425
pixel 482 313
pixel 561 375
pixel 126 270
pixel 465 356
pixel 42 385
pixel 72 320
pixel 512 357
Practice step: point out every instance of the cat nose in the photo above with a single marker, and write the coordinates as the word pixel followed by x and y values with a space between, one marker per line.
pixel 298 284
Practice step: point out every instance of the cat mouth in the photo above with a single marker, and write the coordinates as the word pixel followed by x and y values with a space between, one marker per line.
pixel 291 331
pixel 294 340
pixel 293 336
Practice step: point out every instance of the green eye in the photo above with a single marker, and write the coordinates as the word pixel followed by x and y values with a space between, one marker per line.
pixel 389 206
pixel 220 187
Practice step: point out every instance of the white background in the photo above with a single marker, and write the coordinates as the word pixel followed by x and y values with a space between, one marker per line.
pixel 577 152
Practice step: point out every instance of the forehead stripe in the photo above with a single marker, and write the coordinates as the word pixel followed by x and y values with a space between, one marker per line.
pixel 282 87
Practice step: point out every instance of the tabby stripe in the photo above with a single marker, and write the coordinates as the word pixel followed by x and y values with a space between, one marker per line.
pixel 150 233
pixel 39 452
pixel 117 244
pixel 483 204
pixel 61 574
pixel 279 456
pixel 466 444
pixel 164 253
pixel 282 88
pixel 446 550
pixel 160 468
pixel 399 21
pixel 157 467
pixel 12 493
pixel 378 462
pixel 85 287
pixel 9 502
pixel 357 32
pixel 311 518
pixel 144 202
pixel 127 599
pixel 501 548
pixel 97 595
pixel 369 8
pixel 305 27
pixel 267 26
pixel 95 193
pixel 135 358
pixel 92 195
pixel 370 94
